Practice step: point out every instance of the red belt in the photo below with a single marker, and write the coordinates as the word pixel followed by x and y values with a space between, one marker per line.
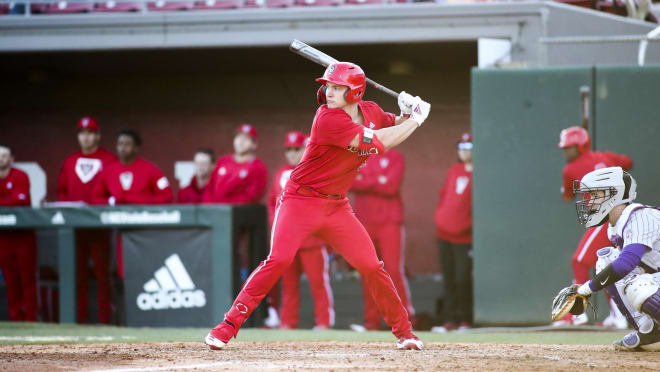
pixel 308 191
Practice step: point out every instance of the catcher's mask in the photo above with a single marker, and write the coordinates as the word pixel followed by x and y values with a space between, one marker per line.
pixel 602 190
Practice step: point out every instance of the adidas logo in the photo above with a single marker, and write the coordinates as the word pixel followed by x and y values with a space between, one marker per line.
pixel 171 288
pixel 58 219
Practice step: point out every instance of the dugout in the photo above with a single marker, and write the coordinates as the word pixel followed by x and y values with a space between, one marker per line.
pixel 180 261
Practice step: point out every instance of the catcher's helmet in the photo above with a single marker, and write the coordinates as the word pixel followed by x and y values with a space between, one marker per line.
pixel 575 136
pixel 347 74
pixel 618 188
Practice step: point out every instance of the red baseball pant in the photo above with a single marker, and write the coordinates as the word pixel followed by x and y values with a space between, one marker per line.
pixel 298 217
pixel 585 256
pixel 18 262
pixel 94 243
pixel 313 261
pixel 389 241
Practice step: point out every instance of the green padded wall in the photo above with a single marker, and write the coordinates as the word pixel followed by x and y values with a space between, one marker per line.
pixel 524 234
pixel 628 121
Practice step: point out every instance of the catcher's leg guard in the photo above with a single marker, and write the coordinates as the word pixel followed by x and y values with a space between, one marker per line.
pixel 614 295
pixel 652 306
pixel 639 288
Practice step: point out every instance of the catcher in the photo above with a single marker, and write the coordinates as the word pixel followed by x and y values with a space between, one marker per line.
pixel 629 269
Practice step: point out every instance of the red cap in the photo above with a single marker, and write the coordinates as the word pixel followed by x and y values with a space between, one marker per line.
pixel 574 136
pixel 247 129
pixel 88 123
pixel 295 139
pixel 465 142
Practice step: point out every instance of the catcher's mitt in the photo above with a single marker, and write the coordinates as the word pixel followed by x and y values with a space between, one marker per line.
pixel 568 300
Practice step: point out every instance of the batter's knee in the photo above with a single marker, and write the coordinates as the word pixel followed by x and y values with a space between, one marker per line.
pixel 370 268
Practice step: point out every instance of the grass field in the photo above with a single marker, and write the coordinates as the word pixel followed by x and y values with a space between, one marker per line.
pixel 30 333
pixel 29 347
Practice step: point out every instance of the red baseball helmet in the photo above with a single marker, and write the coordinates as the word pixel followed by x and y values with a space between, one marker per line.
pixel 247 129
pixel 347 74
pixel 575 136
pixel 88 123
pixel 295 139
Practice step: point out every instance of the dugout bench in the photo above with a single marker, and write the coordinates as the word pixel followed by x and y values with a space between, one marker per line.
pixel 188 272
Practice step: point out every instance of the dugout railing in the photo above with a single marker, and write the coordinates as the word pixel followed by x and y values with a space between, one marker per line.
pixel 203 238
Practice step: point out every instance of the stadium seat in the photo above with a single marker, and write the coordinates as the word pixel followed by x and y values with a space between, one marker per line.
pixel 4 9
pixel 65 7
pixel 118 6
pixel 38 8
pixel 268 3
pixel 318 2
pixel 218 4
pixel 170 5
pixel 360 2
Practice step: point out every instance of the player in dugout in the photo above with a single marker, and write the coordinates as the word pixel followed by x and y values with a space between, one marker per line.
pixel 80 171
pixel 345 131
pixel 580 160
pixel 204 161
pixel 377 204
pixel 453 220
pixel 131 180
pixel 311 258
pixel 18 248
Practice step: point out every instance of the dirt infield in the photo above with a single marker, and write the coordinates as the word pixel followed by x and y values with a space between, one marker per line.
pixel 274 356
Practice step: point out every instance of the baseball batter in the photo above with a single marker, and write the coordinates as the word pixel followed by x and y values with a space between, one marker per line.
pixel 629 269
pixel 345 131
pixel 378 206
pixel 312 256
pixel 575 143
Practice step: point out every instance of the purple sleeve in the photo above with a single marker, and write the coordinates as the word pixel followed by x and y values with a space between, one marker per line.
pixel 629 259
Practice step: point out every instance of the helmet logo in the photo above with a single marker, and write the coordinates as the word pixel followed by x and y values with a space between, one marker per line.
pixel 330 70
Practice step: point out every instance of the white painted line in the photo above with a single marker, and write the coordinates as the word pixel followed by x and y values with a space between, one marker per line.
pixel 62 338
pixel 169 368
pixel 261 365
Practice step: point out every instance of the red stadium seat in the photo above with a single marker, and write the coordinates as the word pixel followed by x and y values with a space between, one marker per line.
pixel 4 9
pixel 38 8
pixel 170 5
pixel 65 7
pixel 118 6
pixel 318 2
pixel 218 4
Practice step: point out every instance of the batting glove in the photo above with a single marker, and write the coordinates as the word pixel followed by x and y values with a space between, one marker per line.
pixel 405 103
pixel 420 110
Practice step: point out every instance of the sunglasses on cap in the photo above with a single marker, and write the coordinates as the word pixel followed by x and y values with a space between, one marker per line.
pixel 465 145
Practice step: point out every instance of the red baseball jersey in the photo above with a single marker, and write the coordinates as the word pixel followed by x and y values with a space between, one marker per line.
pixel 453 215
pixel 15 189
pixel 587 162
pixel 233 182
pixel 328 166
pixel 79 174
pixel 376 187
pixel 140 182
pixel 191 194
pixel 279 181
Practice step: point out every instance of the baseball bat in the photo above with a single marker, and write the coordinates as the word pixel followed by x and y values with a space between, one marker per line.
pixel 324 60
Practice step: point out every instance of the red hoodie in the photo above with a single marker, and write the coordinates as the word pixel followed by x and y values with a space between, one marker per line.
pixel 453 215
pixel 140 182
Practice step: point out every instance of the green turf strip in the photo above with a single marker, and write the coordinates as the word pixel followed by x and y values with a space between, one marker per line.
pixel 49 333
